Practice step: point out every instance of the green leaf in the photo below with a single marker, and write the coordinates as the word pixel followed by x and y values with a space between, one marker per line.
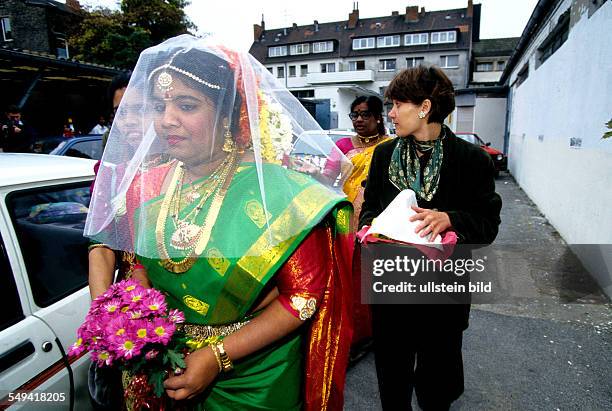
pixel 176 359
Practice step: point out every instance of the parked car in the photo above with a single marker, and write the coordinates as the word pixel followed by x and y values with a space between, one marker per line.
pixel 499 159
pixel 43 281
pixel 82 146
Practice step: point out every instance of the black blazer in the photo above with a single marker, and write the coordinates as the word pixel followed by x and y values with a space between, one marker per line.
pixel 466 190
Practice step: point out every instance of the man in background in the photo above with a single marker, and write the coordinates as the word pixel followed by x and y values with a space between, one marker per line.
pixel 16 137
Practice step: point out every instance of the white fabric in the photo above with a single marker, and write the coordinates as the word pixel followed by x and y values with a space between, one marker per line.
pixel 394 222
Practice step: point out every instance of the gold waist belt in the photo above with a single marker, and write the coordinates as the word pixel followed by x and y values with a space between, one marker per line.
pixel 202 332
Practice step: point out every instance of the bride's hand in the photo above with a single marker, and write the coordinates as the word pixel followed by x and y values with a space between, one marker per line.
pixel 201 369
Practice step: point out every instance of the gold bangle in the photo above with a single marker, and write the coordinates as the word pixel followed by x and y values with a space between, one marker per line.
pixel 225 360
pixel 213 347
pixel 92 246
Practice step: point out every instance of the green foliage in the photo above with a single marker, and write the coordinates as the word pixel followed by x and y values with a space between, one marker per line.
pixel 116 38
pixel 608 134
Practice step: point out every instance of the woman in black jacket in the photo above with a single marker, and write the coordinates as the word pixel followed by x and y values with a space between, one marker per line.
pixel 454 182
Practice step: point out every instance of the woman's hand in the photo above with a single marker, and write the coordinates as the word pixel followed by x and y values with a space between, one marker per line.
pixel 432 222
pixel 201 370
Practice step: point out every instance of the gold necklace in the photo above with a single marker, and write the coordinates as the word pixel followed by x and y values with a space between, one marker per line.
pixel 203 233
pixel 366 140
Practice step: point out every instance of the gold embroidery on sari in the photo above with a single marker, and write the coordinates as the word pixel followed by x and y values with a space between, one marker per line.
pixel 196 305
pixel 299 178
pixel 255 211
pixel 343 220
pixel 217 261
pixel 269 247
pixel 305 307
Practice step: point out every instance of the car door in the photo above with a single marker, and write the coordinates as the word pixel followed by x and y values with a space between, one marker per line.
pixel 45 225
pixel 31 360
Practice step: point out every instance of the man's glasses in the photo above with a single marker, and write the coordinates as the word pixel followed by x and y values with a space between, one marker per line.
pixel 353 115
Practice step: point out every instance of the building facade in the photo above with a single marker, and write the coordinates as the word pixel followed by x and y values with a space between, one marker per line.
pixel 332 63
pixel 559 101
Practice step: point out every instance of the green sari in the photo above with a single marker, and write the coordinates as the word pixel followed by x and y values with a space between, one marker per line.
pixel 243 254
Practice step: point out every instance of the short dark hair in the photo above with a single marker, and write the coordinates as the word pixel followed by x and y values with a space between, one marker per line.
pixel 417 84
pixel 375 105
pixel 118 82
pixel 13 109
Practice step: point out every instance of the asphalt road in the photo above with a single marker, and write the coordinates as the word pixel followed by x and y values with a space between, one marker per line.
pixel 548 349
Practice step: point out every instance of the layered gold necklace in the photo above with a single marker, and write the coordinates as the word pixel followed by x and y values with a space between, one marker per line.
pixel 188 236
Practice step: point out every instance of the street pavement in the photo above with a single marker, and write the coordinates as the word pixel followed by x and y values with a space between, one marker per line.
pixel 551 349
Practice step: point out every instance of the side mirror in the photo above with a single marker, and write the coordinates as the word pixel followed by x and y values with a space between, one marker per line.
pixel 487 144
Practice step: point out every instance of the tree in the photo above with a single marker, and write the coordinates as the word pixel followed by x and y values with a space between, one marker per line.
pixel 116 38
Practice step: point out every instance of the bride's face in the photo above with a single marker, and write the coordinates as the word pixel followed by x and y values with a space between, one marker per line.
pixel 185 118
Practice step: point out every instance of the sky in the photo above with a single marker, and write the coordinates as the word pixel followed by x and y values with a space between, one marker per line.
pixel 231 21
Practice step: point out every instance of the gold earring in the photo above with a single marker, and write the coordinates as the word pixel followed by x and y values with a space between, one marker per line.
pixel 228 143
pixel 421 114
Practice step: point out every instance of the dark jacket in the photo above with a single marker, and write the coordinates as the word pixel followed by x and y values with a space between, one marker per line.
pixel 466 190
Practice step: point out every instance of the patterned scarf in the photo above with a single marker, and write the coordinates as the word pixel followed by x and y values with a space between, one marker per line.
pixel 405 168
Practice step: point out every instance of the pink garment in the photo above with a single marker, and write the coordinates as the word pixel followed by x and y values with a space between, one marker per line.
pixel 449 240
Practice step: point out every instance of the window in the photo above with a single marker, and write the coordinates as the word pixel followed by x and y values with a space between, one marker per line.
pixel 357 65
pixel 414 61
pixel 388 41
pixel 323 47
pixel 280 72
pixel 303 48
pixel 270 69
pixel 91 149
pixel 484 66
pixel 451 61
pixel 555 39
pixel 291 71
pixel 303 70
pixel 328 67
pixel 7 32
pixel 277 51
pixel 522 75
pixel 303 93
pixel 415 39
pixel 11 312
pixel 62 48
pixel 501 65
pixel 365 43
pixel 55 268
pixel 443 37
pixel 387 65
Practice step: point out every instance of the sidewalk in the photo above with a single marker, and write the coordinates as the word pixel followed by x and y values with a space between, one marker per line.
pixel 553 351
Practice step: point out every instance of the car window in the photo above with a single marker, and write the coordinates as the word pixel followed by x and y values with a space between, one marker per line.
pixel 86 149
pixel 49 224
pixel 11 312
pixel 470 138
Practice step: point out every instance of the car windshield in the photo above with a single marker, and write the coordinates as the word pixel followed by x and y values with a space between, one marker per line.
pixel 470 138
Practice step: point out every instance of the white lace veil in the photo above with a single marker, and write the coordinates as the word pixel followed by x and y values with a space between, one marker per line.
pixel 193 111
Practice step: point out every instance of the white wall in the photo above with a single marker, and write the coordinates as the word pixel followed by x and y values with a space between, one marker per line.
pixel 490 120
pixel 569 95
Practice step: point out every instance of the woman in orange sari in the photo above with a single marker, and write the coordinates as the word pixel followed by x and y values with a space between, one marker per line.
pixel 366 114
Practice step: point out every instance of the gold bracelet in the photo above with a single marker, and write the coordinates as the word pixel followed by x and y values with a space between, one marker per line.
pixel 225 360
pixel 213 347
pixel 92 246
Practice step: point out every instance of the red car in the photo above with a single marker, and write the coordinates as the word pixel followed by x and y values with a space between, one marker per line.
pixel 499 159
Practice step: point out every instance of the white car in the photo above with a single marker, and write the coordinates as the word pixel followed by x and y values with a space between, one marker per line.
pixel 43 280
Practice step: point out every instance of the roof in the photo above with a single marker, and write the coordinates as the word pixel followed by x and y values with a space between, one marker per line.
pixel 17 168
pixel 366 27
pixel 495 47
pixel 52 4
pixel 538 16
pixel 12 54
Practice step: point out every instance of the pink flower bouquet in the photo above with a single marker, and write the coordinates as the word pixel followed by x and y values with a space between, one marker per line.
pixel 131 327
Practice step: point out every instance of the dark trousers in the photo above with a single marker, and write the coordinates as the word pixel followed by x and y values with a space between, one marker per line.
pixel 412 353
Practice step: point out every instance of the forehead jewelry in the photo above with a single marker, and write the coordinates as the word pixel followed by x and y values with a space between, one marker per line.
pixel 164 84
